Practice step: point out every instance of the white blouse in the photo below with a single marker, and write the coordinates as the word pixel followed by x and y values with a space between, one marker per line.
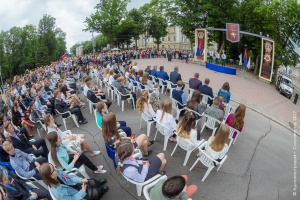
pixel 149 111
pixel 168 121
pixel 215 154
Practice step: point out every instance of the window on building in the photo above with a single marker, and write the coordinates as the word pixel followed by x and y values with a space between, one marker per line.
pixel 174 47
pixel 168 38
pixel 162 39
pixel 162 46
pixel 168 46
pixel 182 39
pixel 174 38
pixel 174 29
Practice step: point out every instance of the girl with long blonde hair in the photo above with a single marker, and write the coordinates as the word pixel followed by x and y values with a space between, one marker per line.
pixel 216 145
pixel 165 117
pixel 143 105
pixel 236 120
pixel 186 128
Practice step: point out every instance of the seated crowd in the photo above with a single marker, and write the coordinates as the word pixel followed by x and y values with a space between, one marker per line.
pixel 34 100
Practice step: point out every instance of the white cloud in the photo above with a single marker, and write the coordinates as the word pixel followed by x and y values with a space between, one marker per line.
pixel 69 15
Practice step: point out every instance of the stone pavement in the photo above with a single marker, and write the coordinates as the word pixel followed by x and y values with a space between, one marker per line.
pixel 256 94
pixel 260 166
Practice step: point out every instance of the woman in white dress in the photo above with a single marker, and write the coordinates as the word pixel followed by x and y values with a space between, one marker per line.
pixel 78 140
pixel 165 117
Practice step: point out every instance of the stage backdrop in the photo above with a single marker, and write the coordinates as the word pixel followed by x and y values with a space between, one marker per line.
pixel 267 59
pixel 200 45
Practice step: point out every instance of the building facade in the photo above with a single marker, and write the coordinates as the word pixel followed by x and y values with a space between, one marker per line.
pixel 174 40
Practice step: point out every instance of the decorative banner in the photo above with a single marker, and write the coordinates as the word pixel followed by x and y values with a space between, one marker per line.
pixel 233 32
pixel 267 59
pixel 200 45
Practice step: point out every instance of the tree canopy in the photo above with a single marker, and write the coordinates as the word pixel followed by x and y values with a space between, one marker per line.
pixel 30 46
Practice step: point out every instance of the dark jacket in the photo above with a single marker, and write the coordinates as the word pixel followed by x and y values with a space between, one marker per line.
pixel 62 107
pixel 205 89
pixel 22 192
pixel 174 77
pixel 22 143
pixel 92 97
pixel 195 83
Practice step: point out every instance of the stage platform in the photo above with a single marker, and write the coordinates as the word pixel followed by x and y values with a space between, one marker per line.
pixel 221 69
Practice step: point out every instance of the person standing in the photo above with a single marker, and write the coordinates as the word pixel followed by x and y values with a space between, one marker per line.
pixel 223 56
pixel 211 54
pixel 217 57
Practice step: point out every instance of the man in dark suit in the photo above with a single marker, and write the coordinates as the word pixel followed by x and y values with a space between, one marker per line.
pixel 20 142
pixel 205 89
pixel 175 77
pixel 18 189
pixel 93 98
pixel 195 83
pixel 62 107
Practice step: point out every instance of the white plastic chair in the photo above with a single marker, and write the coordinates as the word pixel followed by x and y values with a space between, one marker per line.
pixel 162 129
pixel 175 105
pixel 108 88
pixel 186 145
pixel 171 86
pixel 52 196
pixel 231 133
pixel 145 117
pixel 197 115
pixel 74 147
pixel 120 100
pixel 32 180
pixel 81 169
pixel 139 186
pixel 161 83
pixel 91 104
pixel 191 91
pixel 151 185
pixel 228 110
pixel 73 116
pixel 210 123
pixel 40 122
pixel 207 161
pixel 131 84
pixel 205 99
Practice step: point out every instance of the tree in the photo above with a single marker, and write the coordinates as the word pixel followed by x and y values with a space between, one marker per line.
pixel 157 28
pixel 74 47
pixel 126 31
pixel 186 14
pixel 101 41
pixel 139 26
pixel 107 17
pixel 283 25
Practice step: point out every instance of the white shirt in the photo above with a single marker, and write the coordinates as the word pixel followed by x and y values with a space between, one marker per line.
pixel 63 97
pixel 223 56
pixel 214 154
pixel 127 74
pixel 168 121
pixel 149 111
pixel 111 79
pixel 217 55
pixel 135 68
pixel 64 136
pixel 85 90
